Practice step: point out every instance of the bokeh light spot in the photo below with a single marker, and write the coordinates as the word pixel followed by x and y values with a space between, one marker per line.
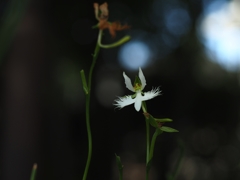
pixel 177 21
pixel 219 30
pixel 134 54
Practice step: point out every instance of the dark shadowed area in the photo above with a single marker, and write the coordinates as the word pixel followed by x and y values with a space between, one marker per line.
pixel 188 48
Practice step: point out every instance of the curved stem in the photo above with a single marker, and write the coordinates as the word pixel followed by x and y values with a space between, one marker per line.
pixel 118 43
pixel 115 44
pixel 95 55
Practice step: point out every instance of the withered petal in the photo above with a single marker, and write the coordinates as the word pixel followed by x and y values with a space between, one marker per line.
pixel 104 11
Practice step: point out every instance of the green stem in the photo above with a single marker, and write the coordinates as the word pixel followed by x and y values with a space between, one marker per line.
pixel 155 135
pixel 95 55
pixel 144 108
pixel 148 140
pixel 118 43
pixel 34 171
pixel 147 155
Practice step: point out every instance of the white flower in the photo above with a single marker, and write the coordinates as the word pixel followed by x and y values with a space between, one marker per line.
pixel 139 96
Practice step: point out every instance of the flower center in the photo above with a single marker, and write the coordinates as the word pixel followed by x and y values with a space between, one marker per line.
pixel 137 87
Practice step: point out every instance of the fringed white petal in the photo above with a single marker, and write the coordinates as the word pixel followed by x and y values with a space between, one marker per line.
pixel 124 101
pixel 151 94
pixel 138 101
pixel 142 78
pixel 140 96
pixel 128 82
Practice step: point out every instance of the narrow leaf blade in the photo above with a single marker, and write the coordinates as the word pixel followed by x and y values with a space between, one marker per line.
pixel 84 82
pixel 162 120
pixel 120 166
pixel 34 171
pixel 168 129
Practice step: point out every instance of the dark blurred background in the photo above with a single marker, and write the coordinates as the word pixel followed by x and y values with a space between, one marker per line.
pixel 190 48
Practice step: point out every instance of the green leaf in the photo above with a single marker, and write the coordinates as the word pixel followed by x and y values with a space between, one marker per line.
pixel 168 129
pixel 84 82
pixel 34 171
pixel 119 163
pixel 163 120
pixel 120 166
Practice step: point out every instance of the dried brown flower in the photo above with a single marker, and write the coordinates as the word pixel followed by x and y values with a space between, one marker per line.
pixel 101 14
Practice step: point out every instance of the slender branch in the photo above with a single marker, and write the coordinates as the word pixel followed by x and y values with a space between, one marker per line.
pixel 147 146
pixel 88 92
pixel 95 55
pixel 34 171
pixel 118 43
pixel 148 141
pixel 144 108
pixel 155 135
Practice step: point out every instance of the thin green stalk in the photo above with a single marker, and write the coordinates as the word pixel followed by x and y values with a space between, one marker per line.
pixel 147 155
pixel 144 108
pixel 95 55
pixel 120 167
pixel 155 135
pixel 34 171
pixel 148 140
pixel 118 43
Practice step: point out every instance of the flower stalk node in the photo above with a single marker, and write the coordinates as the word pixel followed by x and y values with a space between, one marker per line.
pixel 146 114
